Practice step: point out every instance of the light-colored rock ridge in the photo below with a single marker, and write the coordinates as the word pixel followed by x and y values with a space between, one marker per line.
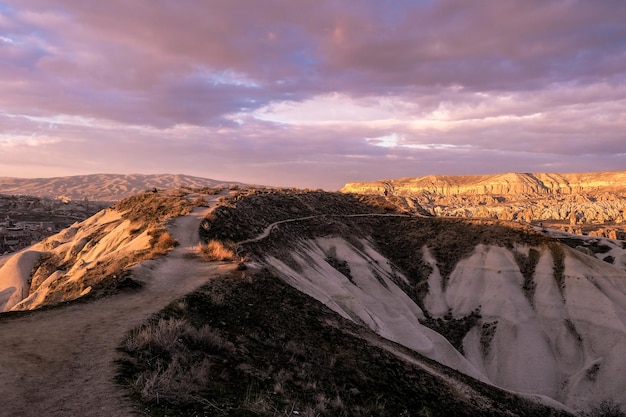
pixel 575 199
pixel 498 184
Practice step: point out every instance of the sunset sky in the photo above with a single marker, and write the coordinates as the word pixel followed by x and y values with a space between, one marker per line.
pixel 311 93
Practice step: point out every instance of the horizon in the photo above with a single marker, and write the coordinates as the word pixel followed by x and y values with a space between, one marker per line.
pixel 312 95
pixel 223 180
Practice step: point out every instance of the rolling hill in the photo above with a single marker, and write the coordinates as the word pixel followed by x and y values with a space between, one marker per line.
pixel 102 187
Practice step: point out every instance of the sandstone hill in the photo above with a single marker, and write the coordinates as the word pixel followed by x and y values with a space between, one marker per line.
pixel 581 203
pixel 102 187
pixel 511 184
pixel 92 256
pixel 314 304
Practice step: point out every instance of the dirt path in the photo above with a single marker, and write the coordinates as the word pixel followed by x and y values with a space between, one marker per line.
pixel 266 232
pixel 61 362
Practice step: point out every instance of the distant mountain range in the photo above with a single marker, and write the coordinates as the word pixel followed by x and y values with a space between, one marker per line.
pixel 102 187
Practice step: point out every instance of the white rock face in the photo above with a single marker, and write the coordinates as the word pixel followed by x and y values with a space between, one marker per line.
pixel 567 344
pixel 14 277
pixel 369 296
pixel 564 340
pixel 103 239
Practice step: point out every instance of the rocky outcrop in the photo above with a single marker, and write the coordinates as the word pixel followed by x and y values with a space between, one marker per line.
pixel 573 199
pixel 539 184
pixel 93 256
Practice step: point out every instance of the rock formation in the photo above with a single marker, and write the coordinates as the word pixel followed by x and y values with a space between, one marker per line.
pixel 583 199
pixel 499 184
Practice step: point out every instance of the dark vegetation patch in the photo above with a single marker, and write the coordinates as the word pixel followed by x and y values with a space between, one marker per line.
pixel 571 327
pixel 341 266
pixel 453 329
pixel 592 373
pixel 247 214
pixel 593 245
pixel 605 409
pixel 558 259
pixel 46 265
pixel 527 265
pixel 116 283
pixel 609 259
pixel 251 345
pixel 600 248
pixel 487 333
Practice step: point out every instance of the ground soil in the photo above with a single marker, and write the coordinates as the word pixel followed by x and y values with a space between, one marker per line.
pixel 43 373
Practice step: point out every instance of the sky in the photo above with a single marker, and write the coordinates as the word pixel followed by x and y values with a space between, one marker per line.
pixel 311 93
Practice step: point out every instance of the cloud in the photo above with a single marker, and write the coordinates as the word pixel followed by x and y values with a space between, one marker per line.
pixel 311 92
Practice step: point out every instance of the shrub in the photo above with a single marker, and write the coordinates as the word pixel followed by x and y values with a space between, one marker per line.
pixel 217 251
pixel 161 243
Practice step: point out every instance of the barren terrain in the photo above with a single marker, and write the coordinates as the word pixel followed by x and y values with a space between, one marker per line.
pixel 336 305
pixel 60 361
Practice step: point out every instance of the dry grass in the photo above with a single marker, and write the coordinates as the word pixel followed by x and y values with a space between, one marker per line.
pixel 150 208
pixel 176 350
pixel 161 243
pixel 215 250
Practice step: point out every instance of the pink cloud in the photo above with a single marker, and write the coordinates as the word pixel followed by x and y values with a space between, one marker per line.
pixel 540 83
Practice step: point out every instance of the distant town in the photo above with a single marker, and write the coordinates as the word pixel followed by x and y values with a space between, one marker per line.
pixel 25 220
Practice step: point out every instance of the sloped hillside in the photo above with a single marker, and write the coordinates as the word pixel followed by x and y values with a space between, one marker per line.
pixel 251 345
pixel 92 256
pixel 341 305
pixel 504 304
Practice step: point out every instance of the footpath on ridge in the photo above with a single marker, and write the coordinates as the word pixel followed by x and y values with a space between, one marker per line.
pixel 61 362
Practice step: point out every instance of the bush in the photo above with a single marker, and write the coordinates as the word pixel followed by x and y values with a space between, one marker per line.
pixel 217 251
pixel 161 243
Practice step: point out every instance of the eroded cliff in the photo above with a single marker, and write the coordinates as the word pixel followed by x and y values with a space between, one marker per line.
pixel 582 202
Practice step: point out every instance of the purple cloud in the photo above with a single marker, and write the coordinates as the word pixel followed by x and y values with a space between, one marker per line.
pixel 311 93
